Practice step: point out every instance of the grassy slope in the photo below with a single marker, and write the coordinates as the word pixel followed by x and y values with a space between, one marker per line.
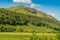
pixel 27 10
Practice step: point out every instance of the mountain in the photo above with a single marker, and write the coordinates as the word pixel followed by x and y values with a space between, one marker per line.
pixel 20 15
pixel 31 11
pixel 27 10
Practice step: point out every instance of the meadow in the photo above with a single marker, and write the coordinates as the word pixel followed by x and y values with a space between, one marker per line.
pixel 29 36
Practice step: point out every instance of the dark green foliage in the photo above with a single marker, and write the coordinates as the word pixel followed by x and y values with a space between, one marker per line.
pixel 6 29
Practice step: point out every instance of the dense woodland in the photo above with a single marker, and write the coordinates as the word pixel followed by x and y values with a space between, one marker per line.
pixel 14 18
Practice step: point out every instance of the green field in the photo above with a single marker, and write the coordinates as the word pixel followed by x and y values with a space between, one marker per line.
pixel 29 36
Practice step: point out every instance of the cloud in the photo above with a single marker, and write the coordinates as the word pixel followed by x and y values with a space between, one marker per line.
pixel 52 14
pixel 23 1
pixel 35 6
pixel 32 5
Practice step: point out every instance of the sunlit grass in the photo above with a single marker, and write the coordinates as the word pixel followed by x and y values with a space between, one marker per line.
pixel 28 36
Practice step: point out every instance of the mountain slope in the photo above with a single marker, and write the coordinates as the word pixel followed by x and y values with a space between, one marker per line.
pixel 31 11
pixel 15 17
pixel 27 10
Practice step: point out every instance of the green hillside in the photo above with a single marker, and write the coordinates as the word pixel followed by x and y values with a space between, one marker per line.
pixel 31 11
pixel 29 19
pixel 27 10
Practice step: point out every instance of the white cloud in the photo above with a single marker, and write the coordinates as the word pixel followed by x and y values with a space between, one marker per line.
pixel 52 14
pixel 32 5
pixel 35 6
pixel 23 1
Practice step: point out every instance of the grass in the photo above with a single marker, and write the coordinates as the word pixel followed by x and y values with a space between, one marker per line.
pixel 29 36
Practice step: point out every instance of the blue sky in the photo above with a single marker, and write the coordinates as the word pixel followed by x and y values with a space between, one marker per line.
pixel 51 7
